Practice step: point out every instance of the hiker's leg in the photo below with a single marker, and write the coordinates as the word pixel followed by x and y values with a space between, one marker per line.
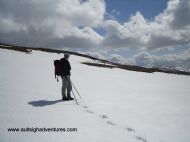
pixel 69 87
pixel 64 87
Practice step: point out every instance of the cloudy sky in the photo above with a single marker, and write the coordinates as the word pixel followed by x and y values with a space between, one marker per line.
pixel 140 32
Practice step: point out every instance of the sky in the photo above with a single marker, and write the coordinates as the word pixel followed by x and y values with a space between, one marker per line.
pixel 122 10
pixel 139 32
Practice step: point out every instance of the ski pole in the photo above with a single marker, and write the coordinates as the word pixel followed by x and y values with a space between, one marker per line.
pixel 75 97
pixel 76 89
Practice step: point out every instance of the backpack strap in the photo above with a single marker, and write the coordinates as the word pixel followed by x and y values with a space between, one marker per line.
pixel 57 78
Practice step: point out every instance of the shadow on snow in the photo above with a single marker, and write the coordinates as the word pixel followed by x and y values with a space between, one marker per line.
pixel 42 103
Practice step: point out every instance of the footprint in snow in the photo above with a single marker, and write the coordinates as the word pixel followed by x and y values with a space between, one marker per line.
pixel 141 139
pixel 111 123
pixel 89 111
pixel 103 116
pixel 85 107
pixel 130 129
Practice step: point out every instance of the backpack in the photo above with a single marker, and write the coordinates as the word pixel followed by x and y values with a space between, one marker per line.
pixel 58 69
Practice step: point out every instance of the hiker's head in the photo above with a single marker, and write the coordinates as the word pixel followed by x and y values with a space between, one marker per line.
pixel 66 55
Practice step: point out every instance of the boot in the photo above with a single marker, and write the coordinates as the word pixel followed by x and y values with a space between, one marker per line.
pixel 64 99
pixel 69 97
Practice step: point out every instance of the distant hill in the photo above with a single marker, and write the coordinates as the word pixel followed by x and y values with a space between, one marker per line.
pixel 98 63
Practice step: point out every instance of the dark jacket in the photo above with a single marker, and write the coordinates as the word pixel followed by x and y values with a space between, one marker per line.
pixel 66 67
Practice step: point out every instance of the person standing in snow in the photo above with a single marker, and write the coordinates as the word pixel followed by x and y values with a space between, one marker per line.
pixel 66 82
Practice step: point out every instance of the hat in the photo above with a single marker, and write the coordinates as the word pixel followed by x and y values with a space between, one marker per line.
pixel 66 55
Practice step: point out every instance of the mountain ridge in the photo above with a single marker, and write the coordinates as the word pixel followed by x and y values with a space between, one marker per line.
pixel 101 62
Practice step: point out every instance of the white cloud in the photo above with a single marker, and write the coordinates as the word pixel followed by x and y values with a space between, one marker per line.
pixel 117 59
pixel 115 12
pixel 181 12
pixel 180 59
pixel 71 23
pixel 125 36
pixel 60 19
pixel 89 13
pixel 146 59
pixel 96 54
pixel 8 25
pixel 47 21
pixel 74 12
pixel 143 59
pixel 169 29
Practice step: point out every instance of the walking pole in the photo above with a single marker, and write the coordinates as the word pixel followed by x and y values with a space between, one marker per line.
pixel 75 97
pixel 76 89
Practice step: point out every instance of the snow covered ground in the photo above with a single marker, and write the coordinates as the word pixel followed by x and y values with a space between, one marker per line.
pixel 116 105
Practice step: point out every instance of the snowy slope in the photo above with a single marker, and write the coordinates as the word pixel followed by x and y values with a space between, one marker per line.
pixel 116 105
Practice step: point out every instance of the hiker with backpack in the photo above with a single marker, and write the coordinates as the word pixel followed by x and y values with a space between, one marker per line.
pixel 63 69
pixel 66 82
